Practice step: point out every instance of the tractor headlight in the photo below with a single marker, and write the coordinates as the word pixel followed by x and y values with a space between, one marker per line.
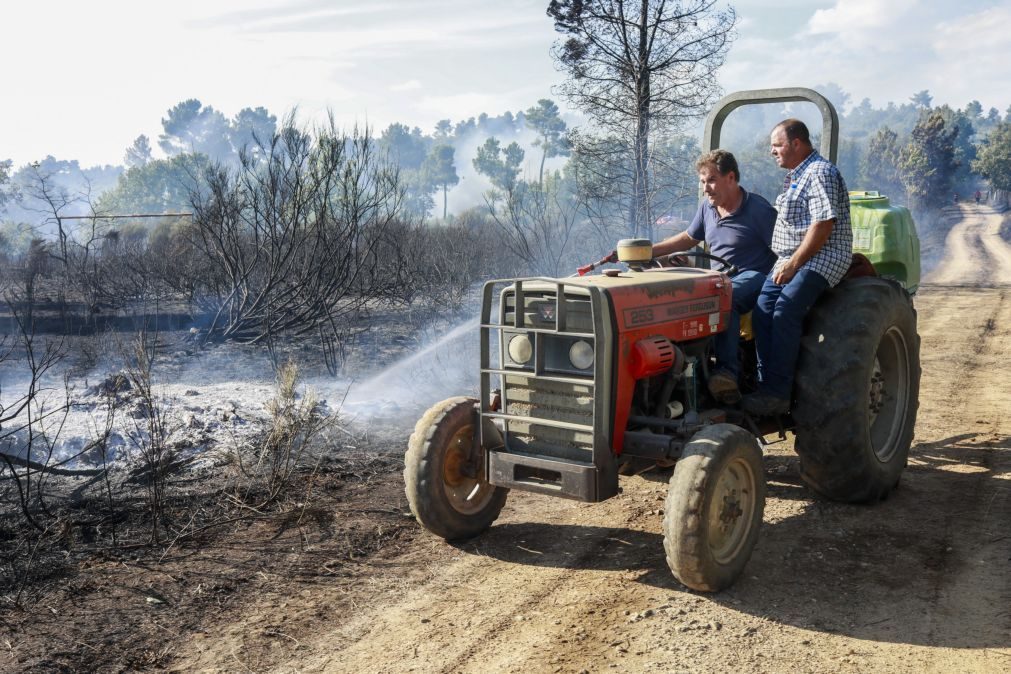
pixel 581 355
pixel 520 349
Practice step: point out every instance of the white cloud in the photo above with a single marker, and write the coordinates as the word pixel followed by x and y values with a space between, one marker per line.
pixel 984 32
pixel 409 85
pixel 972 55
pixel 84 83
pixel 856 18
pixel 462 105
pixel 885 50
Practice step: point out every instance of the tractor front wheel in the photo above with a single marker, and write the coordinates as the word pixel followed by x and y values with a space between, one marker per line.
pixel 444 477
pixel 714 507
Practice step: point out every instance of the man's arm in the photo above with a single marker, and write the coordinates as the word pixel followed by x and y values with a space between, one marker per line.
pixel 674 244
pixel 816 236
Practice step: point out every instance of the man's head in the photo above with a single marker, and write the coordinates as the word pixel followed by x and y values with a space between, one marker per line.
pixel 791 143
pixel 719 176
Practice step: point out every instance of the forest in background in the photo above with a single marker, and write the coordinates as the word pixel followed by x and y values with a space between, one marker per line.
pixel 482 171
pixel 284 227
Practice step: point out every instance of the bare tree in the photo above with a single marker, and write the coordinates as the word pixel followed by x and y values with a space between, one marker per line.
pixel 294 231
pixel 536 223
pixel 152 430
pixel 80 240
pixel 536 219
pixel 56 202
pixel 435 266
pixel 640 70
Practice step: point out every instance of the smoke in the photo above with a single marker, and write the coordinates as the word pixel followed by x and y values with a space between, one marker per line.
pixel 932 228
pixel 55 184
pixel 214 398
pixel 470 191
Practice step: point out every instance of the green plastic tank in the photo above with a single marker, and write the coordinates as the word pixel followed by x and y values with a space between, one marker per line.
pixel 886 234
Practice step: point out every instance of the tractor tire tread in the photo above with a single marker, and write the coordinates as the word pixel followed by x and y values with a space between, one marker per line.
pixel 685 543
pixel 833 439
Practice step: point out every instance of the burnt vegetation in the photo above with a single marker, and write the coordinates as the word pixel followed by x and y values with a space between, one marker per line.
pixel 296 241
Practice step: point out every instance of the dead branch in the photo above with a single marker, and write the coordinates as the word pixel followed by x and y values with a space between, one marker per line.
pixel 43 468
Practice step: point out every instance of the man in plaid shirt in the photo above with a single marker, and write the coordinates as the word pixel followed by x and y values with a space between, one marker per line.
pixel 813 240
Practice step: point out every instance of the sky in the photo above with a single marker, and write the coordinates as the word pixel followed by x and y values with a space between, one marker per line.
pixel 81 80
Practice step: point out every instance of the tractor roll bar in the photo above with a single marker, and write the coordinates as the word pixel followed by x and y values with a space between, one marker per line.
pixel 729 103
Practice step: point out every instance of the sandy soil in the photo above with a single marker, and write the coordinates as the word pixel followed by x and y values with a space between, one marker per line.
pixel 919 583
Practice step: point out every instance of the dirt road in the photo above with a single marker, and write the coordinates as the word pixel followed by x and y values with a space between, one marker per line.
pixel 975 253
pixel 919 583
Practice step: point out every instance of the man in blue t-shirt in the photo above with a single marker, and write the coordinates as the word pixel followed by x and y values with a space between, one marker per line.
pixel 737 225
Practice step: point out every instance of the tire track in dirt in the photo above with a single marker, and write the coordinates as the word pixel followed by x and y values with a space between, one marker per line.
pixel 479 609
pixel 965 384
pixel 976 253
pixel 485 647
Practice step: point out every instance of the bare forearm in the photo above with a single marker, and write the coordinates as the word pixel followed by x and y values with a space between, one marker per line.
pixel 674 244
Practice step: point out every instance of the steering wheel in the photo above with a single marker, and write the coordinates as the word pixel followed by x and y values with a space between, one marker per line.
pixel 725 266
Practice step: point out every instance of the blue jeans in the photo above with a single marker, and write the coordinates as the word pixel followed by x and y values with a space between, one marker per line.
pixel 747 285
pixel 778 321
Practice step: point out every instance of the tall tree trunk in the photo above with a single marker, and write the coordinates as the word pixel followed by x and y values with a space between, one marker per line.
pixel 640 203
pixel 641 224
pixel 445 202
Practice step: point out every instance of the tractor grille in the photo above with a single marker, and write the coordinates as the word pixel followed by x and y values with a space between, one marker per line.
pixel 547 400
pixel 530 399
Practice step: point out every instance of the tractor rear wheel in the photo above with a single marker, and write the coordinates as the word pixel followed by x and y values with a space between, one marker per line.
pixel 714 507
pixel 857 390
pixel 446 486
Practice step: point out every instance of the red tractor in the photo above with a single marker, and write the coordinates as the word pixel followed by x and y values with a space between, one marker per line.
pixel 582 376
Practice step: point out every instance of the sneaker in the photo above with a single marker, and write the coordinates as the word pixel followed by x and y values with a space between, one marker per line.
pixel 765 404
pixel 723 386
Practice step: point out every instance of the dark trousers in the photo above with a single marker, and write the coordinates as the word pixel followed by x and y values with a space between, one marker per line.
pixel 778 321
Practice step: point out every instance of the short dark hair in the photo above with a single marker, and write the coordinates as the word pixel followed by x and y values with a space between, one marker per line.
pixel 723 161
pixel 795 130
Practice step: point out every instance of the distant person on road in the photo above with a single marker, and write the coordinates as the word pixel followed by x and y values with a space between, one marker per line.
pixel 737 225
pixel 978 196
pixel 814 244
pixel 956 198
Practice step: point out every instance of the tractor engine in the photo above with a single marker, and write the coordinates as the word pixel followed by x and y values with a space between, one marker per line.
pixel 578 372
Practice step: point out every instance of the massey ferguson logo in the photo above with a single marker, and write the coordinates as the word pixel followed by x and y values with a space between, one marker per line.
pixel 662 313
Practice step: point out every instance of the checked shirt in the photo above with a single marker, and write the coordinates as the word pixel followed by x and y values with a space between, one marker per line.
pixel 812 192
